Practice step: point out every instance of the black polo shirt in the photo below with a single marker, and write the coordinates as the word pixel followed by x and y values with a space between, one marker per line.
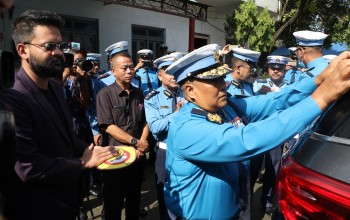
pixel 115 106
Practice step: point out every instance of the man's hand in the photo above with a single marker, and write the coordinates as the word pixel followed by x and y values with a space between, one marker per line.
pixel 95 155
pixel 331 67
pixel 97 139
pixel 264 89
pixel 178 104
pixel 139 65
pixel 139 154
pixel 142 145
pixel 336 83
pixel 225 50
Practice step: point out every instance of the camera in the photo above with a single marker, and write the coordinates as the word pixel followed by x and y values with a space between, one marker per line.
pixel 147 63
pixel 7 121
pixel 85 65
pixel 7 69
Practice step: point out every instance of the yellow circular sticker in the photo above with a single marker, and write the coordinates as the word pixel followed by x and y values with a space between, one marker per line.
pixel 125 157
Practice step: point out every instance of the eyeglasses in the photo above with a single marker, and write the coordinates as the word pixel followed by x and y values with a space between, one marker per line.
pixel 51 46
pixel 247 67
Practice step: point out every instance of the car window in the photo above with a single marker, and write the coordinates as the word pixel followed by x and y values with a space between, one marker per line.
pixel 323 155
pixel 335 121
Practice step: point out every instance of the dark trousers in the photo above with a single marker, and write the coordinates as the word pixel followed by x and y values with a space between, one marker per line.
pixel 255 167
pixel 160 174
pixel 119 184
pixel 272 166
pixel 244 191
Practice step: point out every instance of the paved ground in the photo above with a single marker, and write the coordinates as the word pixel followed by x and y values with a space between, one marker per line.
pixel 150 204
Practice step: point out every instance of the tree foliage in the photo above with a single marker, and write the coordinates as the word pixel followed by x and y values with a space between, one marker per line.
pixel 330 16
pixel 249 27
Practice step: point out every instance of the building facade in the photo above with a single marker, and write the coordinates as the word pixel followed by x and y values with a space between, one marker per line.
pixel 96 24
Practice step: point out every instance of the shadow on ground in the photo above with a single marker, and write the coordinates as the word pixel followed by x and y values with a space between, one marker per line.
pixel 150 204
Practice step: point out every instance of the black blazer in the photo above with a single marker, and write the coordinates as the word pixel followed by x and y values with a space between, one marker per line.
pixel 44 165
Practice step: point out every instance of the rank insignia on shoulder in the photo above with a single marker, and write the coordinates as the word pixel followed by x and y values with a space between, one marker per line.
pixel 235 83
pixel 164 107
pixel 151 94
pixel 271 83
pixel 167 93
pixel 216 118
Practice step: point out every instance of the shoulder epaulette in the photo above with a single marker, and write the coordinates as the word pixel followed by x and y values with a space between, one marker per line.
pixel 212 117
pixel 167 93
pixel 261 80
pixel 151 94
pixel 235 83
pixel 271 83
pixel 104 75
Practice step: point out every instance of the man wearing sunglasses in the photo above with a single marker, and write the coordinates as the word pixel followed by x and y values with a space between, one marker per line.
pixel 276 70
pixel 309 51
pixel 45 165
pixel 243 65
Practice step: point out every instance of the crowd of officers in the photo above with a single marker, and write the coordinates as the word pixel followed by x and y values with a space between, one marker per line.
pixel 163 98
pixel 134 105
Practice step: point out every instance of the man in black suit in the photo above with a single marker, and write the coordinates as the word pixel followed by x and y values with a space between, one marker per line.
pixel 45 164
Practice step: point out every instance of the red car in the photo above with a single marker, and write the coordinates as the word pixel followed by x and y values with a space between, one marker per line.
pixel 314 179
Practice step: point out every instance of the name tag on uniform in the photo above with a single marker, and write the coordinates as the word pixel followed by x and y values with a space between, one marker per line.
pixel 164 107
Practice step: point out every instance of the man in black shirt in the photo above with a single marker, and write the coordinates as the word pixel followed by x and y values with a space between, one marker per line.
pixel 121 115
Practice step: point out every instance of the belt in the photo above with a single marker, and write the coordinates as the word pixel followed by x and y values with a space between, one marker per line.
pixel 162 145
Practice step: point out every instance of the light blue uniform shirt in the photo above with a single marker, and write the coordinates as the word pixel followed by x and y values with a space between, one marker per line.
pixel 238 88
pixel 91 114
pixel 317 66
pixel 298 75
pixel 109 80
pixel 159 113
pixel 267 82
pixel 202 173
pixel 152 73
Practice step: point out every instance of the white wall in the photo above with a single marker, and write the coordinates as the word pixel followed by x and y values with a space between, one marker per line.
pixel 114 22
pixel 214 28
pixel 272 5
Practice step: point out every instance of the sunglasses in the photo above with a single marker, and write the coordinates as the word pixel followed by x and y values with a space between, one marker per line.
pixel 51 46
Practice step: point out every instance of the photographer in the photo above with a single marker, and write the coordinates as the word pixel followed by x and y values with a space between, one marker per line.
pixel 146 71
pixel 78 94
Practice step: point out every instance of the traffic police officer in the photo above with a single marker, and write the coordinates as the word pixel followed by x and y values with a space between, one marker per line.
pixel 108 78
pixel 276 70
pixel 97 85
pixel 146 74
pixel 243 65
pixel 309 51
pixel 203 151
pixel 161 105
pixel 296 72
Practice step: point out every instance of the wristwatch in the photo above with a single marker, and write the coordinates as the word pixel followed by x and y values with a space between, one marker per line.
pixel 133 141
